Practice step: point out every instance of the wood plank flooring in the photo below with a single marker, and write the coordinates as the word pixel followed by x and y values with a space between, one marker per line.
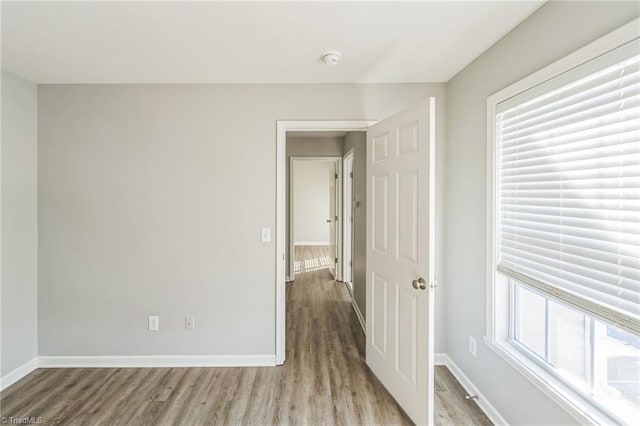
pixel 324 381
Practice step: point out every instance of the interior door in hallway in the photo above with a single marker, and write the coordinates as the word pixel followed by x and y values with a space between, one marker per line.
pixel 347 219
pixel 400 254
pixel 333 219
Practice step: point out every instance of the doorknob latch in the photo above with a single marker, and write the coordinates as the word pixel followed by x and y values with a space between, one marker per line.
pixel 434 284
pixel 419 284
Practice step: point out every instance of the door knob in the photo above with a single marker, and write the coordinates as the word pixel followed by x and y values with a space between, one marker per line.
pixel 419 284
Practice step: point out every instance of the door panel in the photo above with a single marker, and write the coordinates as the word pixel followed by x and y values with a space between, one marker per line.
pixel 400 180
pixel 408 139
pixel 380 213
pixel 380 147
pixel 379 323
pixel 332 215
pixel 407 312
pixel 407 216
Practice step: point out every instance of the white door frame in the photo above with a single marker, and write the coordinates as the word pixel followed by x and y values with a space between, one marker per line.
pixel 291 249
pixel 281 164
pixel 347 226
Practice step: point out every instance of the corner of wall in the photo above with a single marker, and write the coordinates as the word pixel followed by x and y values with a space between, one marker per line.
pixel 19 226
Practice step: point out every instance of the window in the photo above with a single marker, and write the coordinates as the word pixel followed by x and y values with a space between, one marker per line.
pixel 564 228
pixel 599 361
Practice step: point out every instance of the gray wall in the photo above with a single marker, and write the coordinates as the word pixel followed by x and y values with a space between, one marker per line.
pixel 314 147
pixel 19 222
pixel 151 200
pixel 307 147
pixel 358 141
pixel 555 30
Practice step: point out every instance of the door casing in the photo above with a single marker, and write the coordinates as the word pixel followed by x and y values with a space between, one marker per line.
pixel 347 224
pixel 282 127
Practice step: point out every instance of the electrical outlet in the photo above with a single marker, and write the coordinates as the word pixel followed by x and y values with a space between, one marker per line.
pixel 472 346
pixel 189 323
pixel 154 323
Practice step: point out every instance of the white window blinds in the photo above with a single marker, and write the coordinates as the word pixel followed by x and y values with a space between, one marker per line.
pixel 568 187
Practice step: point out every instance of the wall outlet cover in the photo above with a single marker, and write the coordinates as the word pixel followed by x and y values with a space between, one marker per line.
pixel 154 323
pixel 190 323
pixel 472 346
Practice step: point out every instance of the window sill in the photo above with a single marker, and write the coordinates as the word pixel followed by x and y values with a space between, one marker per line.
pixel 549 385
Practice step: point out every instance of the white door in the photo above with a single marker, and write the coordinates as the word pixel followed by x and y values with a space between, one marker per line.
pixel 400 250
pixel 347 178
pixel 333 219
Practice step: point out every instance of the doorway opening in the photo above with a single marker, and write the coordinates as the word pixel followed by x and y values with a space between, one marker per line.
pixel 399 269
pixel 314 210
pixel 400 251
pixel 285 268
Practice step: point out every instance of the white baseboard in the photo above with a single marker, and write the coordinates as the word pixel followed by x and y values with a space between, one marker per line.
pixel 355 307
pixel 18 373
pixel 441 359
pixel 349 287
pixel 311 244
pixel 484 404
pixel 157 361
pixel 361 320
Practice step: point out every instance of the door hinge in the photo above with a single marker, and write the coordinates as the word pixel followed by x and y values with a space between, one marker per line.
pixel 336 261
pixel 336 176
pixel 350 263
pixel 336 218
pixel 351 174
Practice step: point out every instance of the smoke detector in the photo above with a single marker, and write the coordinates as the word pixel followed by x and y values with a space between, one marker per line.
pixel 332 57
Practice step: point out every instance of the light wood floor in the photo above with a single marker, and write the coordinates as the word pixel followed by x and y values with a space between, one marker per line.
pixel 324 381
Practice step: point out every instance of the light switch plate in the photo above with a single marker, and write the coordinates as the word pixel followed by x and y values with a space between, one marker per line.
pixel 265 235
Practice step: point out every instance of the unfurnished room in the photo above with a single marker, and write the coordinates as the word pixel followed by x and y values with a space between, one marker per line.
pixel 320 213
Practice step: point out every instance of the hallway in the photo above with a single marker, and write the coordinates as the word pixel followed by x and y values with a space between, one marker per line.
pixel 325 344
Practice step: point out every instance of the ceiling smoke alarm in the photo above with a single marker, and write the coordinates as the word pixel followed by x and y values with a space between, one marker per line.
pixel 331 57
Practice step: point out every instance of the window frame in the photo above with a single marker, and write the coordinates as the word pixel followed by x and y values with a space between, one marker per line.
pixel 498 333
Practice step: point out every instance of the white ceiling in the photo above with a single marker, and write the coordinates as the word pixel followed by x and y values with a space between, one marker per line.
pixel 249 42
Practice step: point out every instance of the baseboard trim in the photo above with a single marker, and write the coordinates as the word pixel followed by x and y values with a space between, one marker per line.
pixel 356 309
pixel 303 243
pixel 484 404
pixel 349 285
pixel 156 361
pixel 18 373
pixel 361 320
pixel 440 359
